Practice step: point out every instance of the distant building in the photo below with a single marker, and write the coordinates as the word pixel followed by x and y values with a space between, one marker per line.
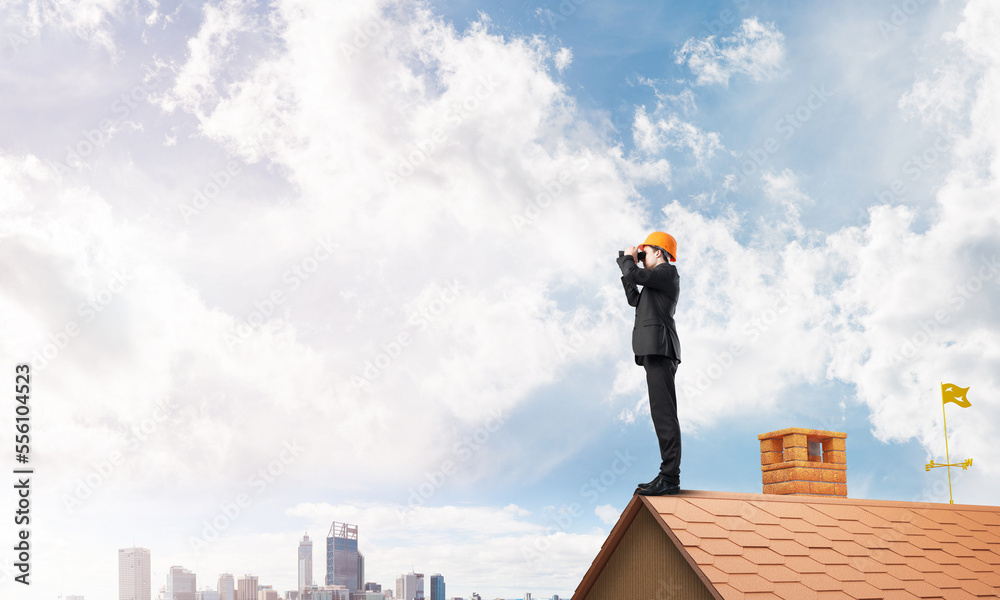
pixel 305 562
pixel 367 595
pixel 180 584
pixel 133 574
pixel 227 587
pixel 410 586
pixel 267 593
pixel 371 586
pixel 292 595
pixel 72 597
pixel 361 572
pixel 342 556
pixel 207 594
pixel 325 592
pixel 246 588
pixel 437 587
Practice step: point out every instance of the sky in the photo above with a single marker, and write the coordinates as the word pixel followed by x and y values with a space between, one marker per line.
pixel 278 264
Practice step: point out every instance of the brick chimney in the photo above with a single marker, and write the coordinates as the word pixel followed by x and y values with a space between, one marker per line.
pixel 804 462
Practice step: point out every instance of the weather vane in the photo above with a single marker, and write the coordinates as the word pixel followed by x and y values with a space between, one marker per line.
pixel 951 393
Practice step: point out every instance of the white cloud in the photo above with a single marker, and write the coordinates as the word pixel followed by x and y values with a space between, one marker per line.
pixel 607 513
pixel 783 189
pixel 640 171
pixel 664 127
pixel 563 58
pixel 938 97
pixel 653 136
pixel 682 101
pixel 644 133
pixel 208 52
pixel 90 20
pixel 756 49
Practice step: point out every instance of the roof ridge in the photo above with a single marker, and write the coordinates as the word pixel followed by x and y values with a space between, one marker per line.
pixel 829 500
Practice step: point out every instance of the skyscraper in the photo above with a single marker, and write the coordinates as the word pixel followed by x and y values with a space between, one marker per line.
pixel 410 586
pixel 361 572
pixel 342 556
pixel 180 584
pixel 227 587
pixel 246 588
pixel 305 562
pixel 133 574
pixel 437 587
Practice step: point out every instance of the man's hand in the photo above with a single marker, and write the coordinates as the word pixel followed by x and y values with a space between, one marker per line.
pixel 634 251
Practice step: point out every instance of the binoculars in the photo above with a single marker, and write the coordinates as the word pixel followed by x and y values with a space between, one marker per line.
pixel 641 255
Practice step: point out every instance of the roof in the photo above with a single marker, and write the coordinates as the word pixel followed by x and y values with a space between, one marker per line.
pixel 801 547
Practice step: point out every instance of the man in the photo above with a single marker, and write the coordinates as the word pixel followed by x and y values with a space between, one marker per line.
pixel 656 346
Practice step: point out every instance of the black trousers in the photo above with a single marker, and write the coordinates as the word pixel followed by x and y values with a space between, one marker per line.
pixel 660 372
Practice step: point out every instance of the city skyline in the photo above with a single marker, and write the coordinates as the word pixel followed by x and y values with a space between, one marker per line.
pixel 181 583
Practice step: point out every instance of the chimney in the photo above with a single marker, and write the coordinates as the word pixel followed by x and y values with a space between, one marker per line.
pixel 804 462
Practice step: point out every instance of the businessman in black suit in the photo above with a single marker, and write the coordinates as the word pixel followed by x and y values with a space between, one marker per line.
pixel 656 346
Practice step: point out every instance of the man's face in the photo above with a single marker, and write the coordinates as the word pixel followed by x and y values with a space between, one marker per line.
pixel 650 259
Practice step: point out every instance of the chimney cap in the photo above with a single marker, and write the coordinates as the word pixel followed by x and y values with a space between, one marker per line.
pixel 808 432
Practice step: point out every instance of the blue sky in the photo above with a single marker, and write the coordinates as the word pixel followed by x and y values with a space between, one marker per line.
pixel 355 262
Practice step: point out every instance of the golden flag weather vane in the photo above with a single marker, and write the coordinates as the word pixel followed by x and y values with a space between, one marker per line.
pixel 951 393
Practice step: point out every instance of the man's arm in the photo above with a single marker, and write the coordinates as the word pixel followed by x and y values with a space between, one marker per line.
pixel 631 292
pixel 657 279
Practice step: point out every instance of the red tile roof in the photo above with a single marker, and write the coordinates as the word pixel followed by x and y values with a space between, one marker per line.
pixel 804 547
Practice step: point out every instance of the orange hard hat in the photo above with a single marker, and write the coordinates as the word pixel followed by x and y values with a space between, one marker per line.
pixel 663 240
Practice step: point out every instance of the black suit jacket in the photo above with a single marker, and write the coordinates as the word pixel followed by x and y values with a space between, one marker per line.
pixel 654 331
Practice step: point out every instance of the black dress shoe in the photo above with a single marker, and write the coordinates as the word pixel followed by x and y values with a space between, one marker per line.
pixel 660 488
pixel 642 486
